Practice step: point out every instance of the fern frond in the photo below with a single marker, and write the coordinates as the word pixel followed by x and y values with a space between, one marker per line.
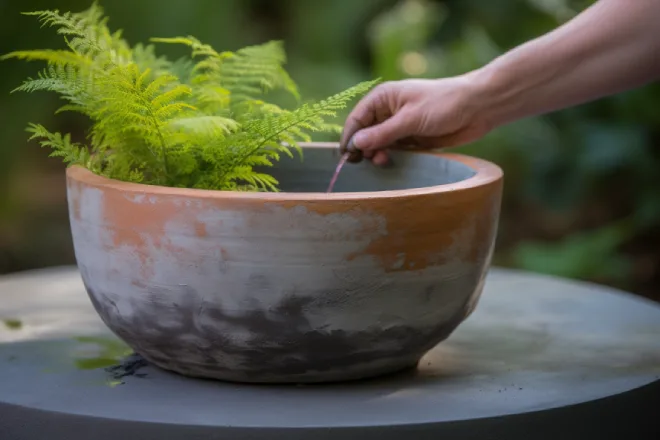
pixel 182 68
pixel 213 99
pixel 145 57
pixel 71 108
pixel 245 176
pixel 71 153
pixel 209 94
pixel 259 66
pixel 75 28
pixel 268 132
pixel 66 81
pixel 86 34
pixel 250 71
pixel 199 49
pixel 330 128
pixel 129 171
pixel 162 100
pixel 134 107
pixel 309 116
pixel 210 126
pixel 58 57
pixel 200 122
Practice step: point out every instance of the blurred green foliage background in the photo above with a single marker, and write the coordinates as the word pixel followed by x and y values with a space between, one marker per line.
pixel 582 188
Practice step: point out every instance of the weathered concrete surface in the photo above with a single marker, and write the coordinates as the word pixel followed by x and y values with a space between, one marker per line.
pixel 540 358
pixel 290 287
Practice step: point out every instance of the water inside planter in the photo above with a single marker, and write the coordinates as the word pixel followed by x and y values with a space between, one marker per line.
pixel 314 172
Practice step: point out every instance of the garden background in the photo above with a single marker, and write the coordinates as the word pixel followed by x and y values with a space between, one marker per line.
pixel 582 186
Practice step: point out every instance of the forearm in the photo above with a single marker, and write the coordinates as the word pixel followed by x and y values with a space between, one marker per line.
pixel 611 47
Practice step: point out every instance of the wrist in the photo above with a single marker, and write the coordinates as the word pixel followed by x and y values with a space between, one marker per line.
pixel 495 97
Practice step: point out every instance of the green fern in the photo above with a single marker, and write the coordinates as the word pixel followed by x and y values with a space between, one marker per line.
pixel 71 153
pixel 200 122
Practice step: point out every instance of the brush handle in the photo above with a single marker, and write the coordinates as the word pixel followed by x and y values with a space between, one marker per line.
pixel 354 155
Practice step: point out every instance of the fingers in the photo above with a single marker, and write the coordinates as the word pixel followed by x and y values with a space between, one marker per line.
pixel 362 115
pixel 385 134
pixel 371 109
pixel 381 158
pixel 378 157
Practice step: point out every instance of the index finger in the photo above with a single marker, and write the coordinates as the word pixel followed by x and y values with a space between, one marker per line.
pixel 362 116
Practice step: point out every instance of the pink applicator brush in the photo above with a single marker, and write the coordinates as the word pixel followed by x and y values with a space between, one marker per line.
pixel 351 154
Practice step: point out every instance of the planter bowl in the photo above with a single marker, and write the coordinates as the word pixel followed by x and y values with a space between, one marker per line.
pixel 298 286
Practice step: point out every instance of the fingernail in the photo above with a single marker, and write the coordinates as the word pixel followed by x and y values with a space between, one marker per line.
pixel 358 140
pixel 354 154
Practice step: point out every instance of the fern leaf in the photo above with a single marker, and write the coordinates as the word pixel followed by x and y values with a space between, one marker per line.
pixel 268 131
pixel 206 125
pixel 158 84
pixel 61 145
pixel 255 181
pixel 71 108
pixel 145 57
pixel 253 69
pixel 74 27
pixel 170 96
pixel 201 121
pixel 199 49
pixel 260 65
pixel 62 57
pixel 65 80
pixel 270 128
pixel 182 69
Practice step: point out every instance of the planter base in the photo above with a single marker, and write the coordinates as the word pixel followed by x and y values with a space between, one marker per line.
pixel 351 375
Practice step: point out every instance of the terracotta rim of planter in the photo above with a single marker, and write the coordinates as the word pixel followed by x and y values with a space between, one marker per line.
pixel 485 173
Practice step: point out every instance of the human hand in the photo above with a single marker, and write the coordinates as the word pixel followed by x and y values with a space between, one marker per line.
pixel 415 113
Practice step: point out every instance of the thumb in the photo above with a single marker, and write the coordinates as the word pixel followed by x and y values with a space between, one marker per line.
pixel 385 134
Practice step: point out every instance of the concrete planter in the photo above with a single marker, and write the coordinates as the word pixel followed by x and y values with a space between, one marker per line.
pixel 298 286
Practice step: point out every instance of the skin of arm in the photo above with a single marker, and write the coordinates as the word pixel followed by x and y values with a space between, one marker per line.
pixel 611 47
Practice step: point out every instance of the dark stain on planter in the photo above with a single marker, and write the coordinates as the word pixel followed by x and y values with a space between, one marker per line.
pixel 13 324
pixel 191 337
pixel 129 366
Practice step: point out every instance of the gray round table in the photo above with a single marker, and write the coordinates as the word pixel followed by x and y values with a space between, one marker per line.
pixel 539 358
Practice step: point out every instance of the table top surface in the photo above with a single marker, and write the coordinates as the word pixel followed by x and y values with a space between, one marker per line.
pixel 533 343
